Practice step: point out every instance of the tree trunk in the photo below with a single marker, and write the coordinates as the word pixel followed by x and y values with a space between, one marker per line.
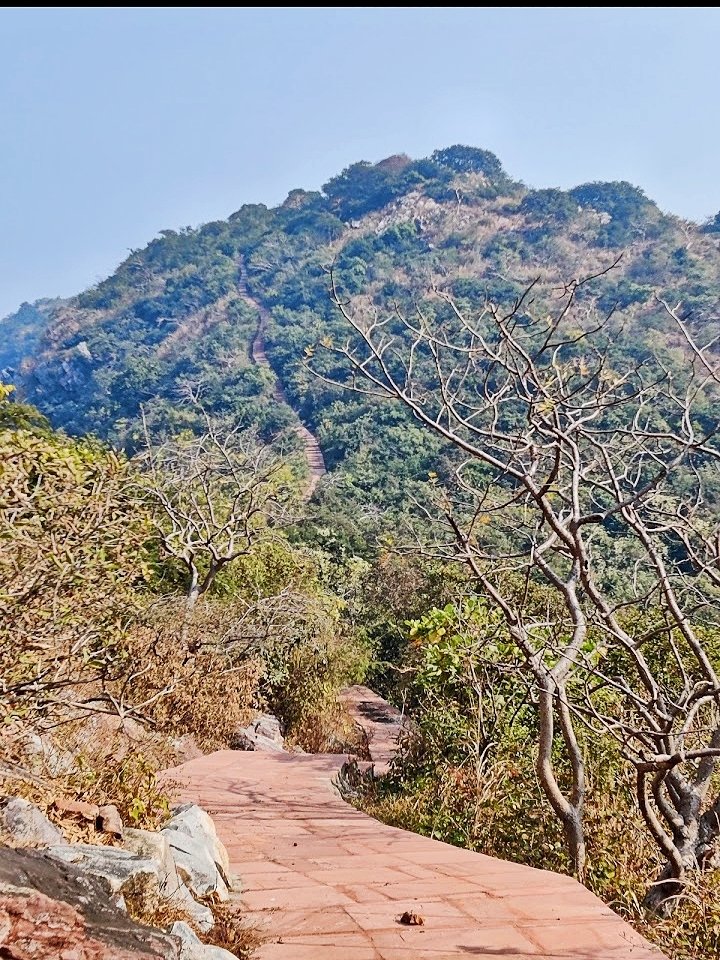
pixel 568 812
pixel 193 587
pixel 700 854
pixel 575 840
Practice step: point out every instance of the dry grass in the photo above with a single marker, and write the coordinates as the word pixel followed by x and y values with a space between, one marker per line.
pixel 230 932
pixel 161 916
pixel 99 767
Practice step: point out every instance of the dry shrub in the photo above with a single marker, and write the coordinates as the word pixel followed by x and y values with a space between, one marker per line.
pixel 307 698
pixel 232 933
pixel 189 683
pixel 497 809
pixel 129 784
pixel 98 759
pixel 210 702
pixel 622 858
pixel 230 930
pixel 693 931
pixel 162 915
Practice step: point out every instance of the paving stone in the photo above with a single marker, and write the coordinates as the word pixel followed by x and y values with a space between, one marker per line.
pixel 325 882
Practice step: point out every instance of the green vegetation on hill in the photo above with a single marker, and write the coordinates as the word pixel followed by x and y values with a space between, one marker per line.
pixel 172 319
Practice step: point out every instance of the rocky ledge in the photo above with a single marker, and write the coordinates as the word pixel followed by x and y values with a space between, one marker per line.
pixel 69 901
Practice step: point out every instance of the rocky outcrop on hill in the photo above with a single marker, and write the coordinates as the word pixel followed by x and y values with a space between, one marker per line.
pixel 71 900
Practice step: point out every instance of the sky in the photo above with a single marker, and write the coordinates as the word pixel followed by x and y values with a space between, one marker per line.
pixel 116 123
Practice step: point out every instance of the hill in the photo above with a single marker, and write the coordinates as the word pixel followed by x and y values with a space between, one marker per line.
pixel 21 332
pixel 181 314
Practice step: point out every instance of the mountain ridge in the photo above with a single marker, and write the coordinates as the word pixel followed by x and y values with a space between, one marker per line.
pixel 172 317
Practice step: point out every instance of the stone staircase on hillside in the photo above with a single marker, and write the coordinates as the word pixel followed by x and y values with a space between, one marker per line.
pixel 313 452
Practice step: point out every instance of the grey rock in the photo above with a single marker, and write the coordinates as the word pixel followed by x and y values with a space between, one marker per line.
pixel 246 739
pixel 22 824
pixel 216 953
pixel 180 897
pixel 192 947
pixel 151 846
pixel 263 735
pixel 155 847
pixel 196 865
pixel 195 822
pixel 123 874
pixel 266 725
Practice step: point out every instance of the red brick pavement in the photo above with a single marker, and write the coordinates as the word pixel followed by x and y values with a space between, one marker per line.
pixel 381 722
pixel 326 882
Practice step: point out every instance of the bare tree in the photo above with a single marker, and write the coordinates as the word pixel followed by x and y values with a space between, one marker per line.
pixel 215 497
pixel 570 452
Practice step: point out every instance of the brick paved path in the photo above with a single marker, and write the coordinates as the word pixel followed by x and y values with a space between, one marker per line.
pixel 326 882
pixel 381 722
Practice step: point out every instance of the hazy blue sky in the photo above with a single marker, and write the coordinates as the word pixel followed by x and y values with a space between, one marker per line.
pixel 117 123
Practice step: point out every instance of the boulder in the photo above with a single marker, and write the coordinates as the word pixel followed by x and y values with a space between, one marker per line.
pixel 266 725
pixel 180 897
pixel 155 847
pixel 22 824
pixel 262 735
pixel 54 911
pixel 194 822
pixel 192 947
pixel 196 865
pixel 108 821
pixel 149 845
pixel 247 739
pixel 123 874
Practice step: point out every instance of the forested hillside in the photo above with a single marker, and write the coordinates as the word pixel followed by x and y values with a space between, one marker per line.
pixel 21 332
pixel 172 320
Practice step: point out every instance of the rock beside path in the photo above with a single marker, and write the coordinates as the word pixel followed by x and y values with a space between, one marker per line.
pixel 51 910
pixel 262 735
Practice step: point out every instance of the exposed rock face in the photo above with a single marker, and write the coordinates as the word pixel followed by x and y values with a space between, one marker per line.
pixel 121 873
pixel 22 824
pixel 54 911
pixel 263 735
pixel 194 822
pixel 244 740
